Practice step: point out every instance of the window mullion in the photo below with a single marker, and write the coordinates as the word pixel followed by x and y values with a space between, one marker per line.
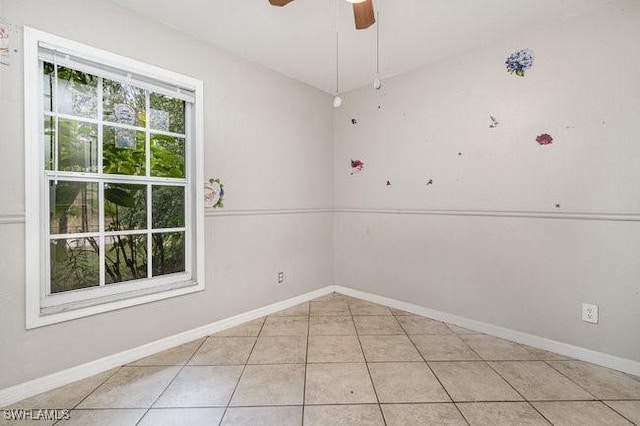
pixel 46 189
pixel 95 177
pixel 147 134
pixel 112 124
pixel 168 230
pixel 100 125
pixel 147 138
pixel 43 186
pixel 55 111
pixel 188 190
pixel 101 254
pixel 76 235
pixel 149 233
pixel 46 227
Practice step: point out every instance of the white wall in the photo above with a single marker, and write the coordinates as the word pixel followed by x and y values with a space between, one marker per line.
pixel 268 137
pixel 517 268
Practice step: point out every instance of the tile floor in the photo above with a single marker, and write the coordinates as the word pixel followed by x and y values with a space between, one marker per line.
pixel 343 361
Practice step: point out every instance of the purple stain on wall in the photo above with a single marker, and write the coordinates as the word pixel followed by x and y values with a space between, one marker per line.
pixel 430 182
pixel 356 166
pixel 388 183
pixel 544 139
pixel 354 121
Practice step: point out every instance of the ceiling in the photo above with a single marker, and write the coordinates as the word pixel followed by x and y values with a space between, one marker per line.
pixel 299 40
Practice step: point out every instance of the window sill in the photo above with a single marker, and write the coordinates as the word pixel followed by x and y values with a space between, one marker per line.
pixel 74 310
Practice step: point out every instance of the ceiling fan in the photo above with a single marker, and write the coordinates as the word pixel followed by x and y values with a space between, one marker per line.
pixel 362 11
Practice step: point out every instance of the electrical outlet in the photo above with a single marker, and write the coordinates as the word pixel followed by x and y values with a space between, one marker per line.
pixel 280 277
pixel 590 313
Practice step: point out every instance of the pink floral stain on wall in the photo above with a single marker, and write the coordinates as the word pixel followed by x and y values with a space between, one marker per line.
pixel 544 139
pixel 356 166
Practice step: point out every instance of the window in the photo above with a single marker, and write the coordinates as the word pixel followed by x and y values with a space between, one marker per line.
pixel 114 168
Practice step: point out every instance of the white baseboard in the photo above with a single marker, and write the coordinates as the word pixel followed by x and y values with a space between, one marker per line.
pixel 43 384
pixel 610 361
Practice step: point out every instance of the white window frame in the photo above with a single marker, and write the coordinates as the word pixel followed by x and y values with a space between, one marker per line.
pixel 43 310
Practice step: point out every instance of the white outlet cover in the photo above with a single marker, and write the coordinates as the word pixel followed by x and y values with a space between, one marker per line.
pixel 590 313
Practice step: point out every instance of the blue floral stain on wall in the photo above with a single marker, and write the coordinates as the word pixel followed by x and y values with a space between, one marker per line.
pixel 519 62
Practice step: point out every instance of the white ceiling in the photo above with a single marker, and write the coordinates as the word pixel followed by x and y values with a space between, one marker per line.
pixel 299 40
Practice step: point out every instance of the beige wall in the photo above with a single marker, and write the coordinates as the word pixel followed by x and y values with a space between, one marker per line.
pixel 268 137
pixel 525 273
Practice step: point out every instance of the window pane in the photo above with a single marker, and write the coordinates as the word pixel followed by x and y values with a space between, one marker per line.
pixel 75 264
pixel 125 207
pixel 77 146
pixel 123 151
pixel 125 258
pixel 166 113
pixel 167 206
pixel 47 86
pixel 123 103
pixel 77 93
pixel 73 207
pixel 49 141
pixel 168 253
pixel 167 156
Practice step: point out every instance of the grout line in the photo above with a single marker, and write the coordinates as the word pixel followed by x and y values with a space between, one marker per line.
pixel 488 361
pixel 539 412
pixel 92 391
pixel 242 371
pixel 306 361
pixel 375 391
pixel 514 388
pixel 122 409
pixel 482 360
pixel 479 401
pixel 431 369
pixel 618 412
pixel 437 378
pixel 569 378
pixel 250 364
pixel 172 380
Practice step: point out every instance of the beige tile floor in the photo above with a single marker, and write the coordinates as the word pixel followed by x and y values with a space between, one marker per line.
pixel 343 361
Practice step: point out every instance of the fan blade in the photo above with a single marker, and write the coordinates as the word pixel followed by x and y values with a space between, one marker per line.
pixel 363 13
pixel 279 2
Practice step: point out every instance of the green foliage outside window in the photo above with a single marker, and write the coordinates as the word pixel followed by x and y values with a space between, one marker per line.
pixel 74 205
